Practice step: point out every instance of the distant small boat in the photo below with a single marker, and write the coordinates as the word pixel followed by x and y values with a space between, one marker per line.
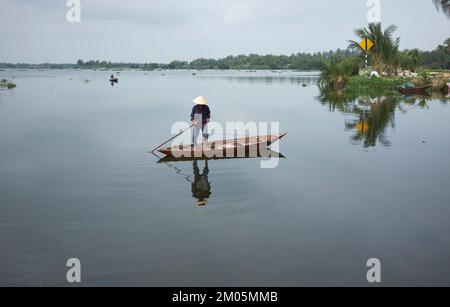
pixel 414 90
pixel 115 80
pixel 240 147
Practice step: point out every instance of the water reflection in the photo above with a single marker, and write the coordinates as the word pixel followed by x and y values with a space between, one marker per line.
pixel 374 116
pixel 266 153
pixel 297 80
pixel 201 187
pixel 371 117
pixel 422 101
pixel 199 179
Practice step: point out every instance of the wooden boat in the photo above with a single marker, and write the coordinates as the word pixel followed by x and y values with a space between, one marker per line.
pixel 414 90
pixel 234 148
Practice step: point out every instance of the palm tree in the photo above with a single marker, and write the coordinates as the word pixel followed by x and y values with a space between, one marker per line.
pixel 335 74
pixel 447 44
pixel 384 53
pixel 410 59
pixel 443 5
pixel 444 48
pixel 392 56
pixel 416 58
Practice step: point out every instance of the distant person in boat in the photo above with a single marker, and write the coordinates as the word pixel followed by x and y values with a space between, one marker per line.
pixel 201 187
pixel 200 117
pixel 113 79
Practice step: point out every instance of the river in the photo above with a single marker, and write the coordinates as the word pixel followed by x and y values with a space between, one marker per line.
pixel 361 179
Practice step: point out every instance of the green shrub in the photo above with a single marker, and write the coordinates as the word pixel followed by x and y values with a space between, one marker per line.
pixel 336 74
pixel 366 86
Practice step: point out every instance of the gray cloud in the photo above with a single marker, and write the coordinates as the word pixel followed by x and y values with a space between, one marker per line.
pixel 163 30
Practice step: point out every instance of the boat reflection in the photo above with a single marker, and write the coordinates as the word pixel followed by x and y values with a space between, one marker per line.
pixel 261 154
pixel 199 179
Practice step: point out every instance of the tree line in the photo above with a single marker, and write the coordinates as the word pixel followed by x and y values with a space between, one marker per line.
pixel 385 54
pixel 299 61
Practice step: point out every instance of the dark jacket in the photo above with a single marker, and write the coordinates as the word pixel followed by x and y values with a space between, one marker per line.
pixel 202 110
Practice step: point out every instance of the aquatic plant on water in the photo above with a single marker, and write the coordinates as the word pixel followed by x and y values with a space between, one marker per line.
pixel 10 85
pixel 367 86
pixel 4 83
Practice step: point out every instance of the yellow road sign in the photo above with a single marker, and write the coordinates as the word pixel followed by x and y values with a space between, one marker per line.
pixel 362 127
pixel 366 44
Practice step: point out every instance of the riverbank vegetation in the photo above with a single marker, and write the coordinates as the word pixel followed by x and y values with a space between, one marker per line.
pixel 391 67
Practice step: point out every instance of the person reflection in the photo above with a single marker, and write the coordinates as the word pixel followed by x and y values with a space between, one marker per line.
pixel 201 187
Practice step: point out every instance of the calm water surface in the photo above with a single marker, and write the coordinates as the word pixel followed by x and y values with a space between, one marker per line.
pixel 361 179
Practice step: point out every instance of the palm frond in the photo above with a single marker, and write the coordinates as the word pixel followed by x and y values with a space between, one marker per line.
pixel 443 5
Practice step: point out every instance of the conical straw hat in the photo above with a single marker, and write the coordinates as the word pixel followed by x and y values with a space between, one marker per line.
pixel 200 100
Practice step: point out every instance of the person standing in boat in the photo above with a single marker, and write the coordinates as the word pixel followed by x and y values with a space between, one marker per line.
pixel 200 116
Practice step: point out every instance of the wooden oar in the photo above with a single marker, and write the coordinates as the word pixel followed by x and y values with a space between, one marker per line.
pixel 172 138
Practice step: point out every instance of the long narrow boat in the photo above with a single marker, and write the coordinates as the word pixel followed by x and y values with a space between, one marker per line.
pixel 233 148
pixel 414 90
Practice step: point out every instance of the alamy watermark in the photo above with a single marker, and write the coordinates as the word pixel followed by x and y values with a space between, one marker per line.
pixel 374 273
pixel 73 275
pixel 73 15
pixel 374 12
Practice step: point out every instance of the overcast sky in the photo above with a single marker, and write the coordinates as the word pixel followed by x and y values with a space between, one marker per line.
pixel 163 30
